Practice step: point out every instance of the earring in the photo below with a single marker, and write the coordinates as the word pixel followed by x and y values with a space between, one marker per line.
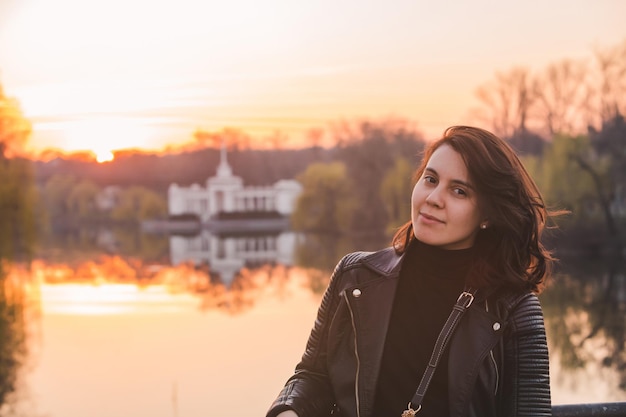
pixel 483 226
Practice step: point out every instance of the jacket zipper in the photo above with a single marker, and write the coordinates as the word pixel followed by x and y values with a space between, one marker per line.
pixel 356 354
pixel 493 360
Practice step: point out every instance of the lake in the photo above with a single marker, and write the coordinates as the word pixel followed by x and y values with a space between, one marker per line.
pixel 215 326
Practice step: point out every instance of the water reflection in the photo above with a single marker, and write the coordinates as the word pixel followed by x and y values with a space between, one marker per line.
pixel 13 334
pixel 586 322
pixel 85 242
pixel 226 254
pixel 231 313
pixel 112 284
pixel 18 219
pixel 161 347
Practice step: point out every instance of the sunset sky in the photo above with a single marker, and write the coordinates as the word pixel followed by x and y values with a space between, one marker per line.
pixel 107 75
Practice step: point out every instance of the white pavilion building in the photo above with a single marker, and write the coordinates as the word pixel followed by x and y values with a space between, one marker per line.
pixel 225 193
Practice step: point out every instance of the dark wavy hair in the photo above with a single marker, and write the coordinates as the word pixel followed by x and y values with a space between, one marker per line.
pixel 509 252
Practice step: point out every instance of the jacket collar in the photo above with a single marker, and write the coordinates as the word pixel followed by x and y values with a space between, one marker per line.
pixel 385 262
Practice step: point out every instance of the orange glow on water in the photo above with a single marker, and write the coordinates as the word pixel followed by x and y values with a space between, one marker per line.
pixel 113 285
pixel 159 346
pixel 106 299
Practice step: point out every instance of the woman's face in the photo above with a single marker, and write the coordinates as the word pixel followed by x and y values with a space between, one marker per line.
pixel 444 203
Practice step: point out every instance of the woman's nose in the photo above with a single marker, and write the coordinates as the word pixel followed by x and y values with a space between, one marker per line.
pixel 434 198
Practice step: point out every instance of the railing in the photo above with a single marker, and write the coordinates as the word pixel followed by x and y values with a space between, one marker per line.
pixel 588 410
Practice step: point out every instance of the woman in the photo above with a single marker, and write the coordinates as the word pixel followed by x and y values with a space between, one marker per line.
pixel 476 223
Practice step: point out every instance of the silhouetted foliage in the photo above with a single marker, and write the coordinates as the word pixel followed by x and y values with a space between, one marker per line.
pixel 526 142
pixel 611 141
pixel 157 172
pixel 17 193
pixel 327 203
pixel 14 127
pixel 610 145
pixel 369 150
pixel 395 192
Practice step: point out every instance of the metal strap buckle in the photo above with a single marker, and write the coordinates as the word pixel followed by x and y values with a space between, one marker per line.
pixel 466 294
pixel 409 412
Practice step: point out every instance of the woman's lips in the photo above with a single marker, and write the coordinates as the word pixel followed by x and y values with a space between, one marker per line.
pixel 430 219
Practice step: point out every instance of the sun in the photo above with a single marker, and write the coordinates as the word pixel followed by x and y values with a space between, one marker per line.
pixel 101 136
pixel 104 155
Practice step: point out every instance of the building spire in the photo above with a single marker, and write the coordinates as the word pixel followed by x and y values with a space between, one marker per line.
pixel 224 170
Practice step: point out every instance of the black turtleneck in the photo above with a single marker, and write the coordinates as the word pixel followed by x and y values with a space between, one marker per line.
pixel 430 282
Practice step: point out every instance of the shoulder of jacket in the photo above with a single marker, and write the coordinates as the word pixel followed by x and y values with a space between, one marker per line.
pixel 514 299
pixel 382 261
pixel 515 303
pixel 353 259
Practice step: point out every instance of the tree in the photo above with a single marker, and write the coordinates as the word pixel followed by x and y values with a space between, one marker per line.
pixel 56 193
pixel 14 128
pixel 575 176
pixel 277 139
pixel 369 150
pixel 18 202
pixel 561 179
pixel 610 145
pixel 395 192
pixel 82 200
pixel 314 137
pixel 137 204
pixel 327 201
pixel 611 142
pixel 610 83
pixel 234 139
pixel 17 191
pixel 562 91
pixel 153 206
pixel 526 142
pixel 507 101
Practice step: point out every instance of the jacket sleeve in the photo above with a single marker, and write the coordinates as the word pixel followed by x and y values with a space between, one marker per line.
pixel 526 371
pixel 308 392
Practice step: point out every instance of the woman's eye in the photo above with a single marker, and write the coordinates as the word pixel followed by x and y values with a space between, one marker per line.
pixel 460 191
pixel 430 179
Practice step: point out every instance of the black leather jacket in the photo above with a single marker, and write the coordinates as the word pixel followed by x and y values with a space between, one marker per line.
pixel 498 359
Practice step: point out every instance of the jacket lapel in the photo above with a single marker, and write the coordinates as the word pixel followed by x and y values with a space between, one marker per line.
pixel 371 302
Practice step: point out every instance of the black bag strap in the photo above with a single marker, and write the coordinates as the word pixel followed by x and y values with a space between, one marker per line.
pixel 462 303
